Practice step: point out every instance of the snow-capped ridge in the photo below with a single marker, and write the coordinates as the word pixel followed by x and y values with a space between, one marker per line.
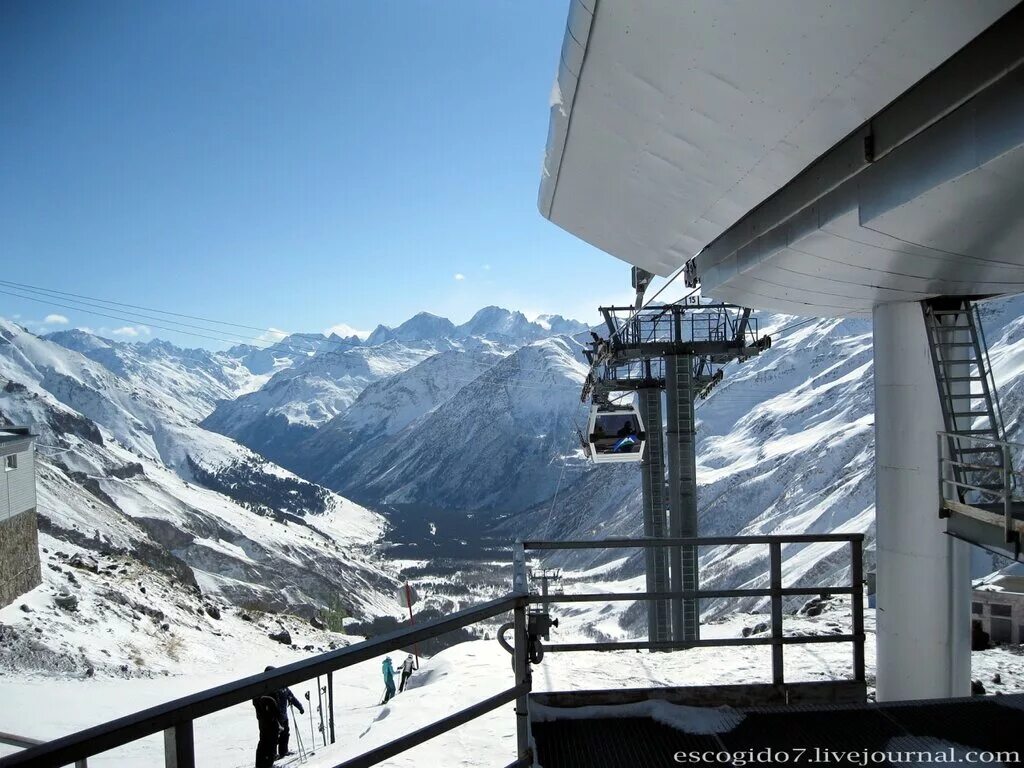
pixel 423 326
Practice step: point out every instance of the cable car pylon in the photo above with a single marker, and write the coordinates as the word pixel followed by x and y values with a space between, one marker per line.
pixel 680 349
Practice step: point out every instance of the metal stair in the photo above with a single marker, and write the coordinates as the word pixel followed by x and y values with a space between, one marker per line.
pixel 977 481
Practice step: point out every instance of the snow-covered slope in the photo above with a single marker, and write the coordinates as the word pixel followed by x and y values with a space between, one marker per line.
pixel 199 378
pixel 292 349
pixel 499 323
pixel 389 405
pixel 298 400
pixel 118 471
pixel 153 422
pixel 495 444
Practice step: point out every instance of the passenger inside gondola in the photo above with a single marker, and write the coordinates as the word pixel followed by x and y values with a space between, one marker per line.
pixel 616 433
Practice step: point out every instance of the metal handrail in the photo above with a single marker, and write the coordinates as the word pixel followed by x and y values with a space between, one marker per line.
pixel 1005 469
pixel 1006 491
pixel 21 742
pixel 981 439
pixel 24 742
pixel 175 718
pixel 776 592
pixel 997 409
pixel 427 732
pixel 685 541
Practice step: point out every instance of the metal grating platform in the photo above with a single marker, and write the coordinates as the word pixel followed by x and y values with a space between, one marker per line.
pixel 985 724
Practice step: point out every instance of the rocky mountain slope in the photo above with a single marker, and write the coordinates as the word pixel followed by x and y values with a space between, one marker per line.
pixel 495 443
pixel 301 398
pixel 493 323
pixel 264 361
pixel 199 378
pixel 389 405
pixel 123 472
pixel 296 401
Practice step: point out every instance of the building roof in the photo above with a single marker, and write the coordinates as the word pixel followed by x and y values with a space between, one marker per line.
pixel 674 122
pixel 12 436
pixel 1006 580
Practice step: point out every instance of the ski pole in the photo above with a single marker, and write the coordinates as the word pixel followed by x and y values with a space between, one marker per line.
pixel 298 735
pixel 309 706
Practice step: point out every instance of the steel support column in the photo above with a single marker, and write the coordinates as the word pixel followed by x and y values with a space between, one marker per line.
pixel 923 576
pixel 652 471
pixel 680 436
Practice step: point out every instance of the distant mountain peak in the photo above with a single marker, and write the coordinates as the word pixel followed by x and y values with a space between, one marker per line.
pixel 422 326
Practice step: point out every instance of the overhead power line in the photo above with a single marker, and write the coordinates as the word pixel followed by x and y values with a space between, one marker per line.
pixel 37 288
pixel 138 316
pixel 165 324
pixel 53 303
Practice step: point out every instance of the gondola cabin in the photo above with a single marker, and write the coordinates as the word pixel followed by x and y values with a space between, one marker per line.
pixel 616 435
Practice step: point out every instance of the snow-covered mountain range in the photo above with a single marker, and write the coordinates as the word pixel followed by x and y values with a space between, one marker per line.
pixel 300 399
pixel 125 469
pixel 486 437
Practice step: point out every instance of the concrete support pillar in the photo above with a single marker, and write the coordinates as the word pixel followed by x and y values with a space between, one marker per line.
pixel 680 439
pixel 923 575
pixel 652 471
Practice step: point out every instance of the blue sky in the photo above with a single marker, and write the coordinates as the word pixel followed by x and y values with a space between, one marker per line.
pixel 292 165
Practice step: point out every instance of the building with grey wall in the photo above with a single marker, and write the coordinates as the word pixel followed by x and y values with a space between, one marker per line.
pixel 19 538
pixel 997 601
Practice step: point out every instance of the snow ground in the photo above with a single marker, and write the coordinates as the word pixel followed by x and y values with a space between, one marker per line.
pixel 458 677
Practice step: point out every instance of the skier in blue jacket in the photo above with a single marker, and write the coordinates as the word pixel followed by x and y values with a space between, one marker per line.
pixel 389 679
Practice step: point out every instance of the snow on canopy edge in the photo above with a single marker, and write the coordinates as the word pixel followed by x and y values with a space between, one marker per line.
pixel 694 720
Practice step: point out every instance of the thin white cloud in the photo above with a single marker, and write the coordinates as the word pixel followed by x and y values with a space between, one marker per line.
pixel 459 276
pixel 487 267
pixel 55 320
pixel 131 331
pixel 273 335
pixel 345 330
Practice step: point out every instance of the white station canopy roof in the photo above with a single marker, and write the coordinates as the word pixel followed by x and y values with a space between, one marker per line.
pixel 672 120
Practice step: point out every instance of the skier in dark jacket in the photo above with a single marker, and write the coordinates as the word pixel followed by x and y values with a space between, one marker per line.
pixel 283 698
pixel 407 668
pixel 269 719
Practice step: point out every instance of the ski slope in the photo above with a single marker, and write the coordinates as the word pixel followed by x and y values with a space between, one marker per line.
pixel 450 681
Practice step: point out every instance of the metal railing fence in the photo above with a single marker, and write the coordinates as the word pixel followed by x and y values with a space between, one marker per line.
pixel 774 591
pixel 990 486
